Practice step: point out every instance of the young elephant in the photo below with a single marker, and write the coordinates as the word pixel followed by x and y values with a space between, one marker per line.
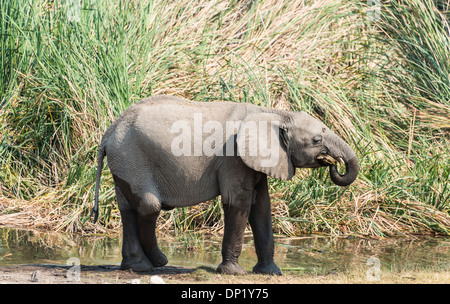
pixel 165 152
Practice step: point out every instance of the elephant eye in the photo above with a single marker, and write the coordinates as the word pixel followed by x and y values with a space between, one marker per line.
pixel 317 139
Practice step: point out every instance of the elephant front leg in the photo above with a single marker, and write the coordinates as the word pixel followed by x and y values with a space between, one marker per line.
pixel 261 222
pixel 236 217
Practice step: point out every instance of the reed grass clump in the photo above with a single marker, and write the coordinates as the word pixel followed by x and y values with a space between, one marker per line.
pixel 378 76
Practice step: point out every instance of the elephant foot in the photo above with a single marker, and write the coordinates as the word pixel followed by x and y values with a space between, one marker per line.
pixel 267 268
pixel 230 268
pixel 157 258
pixel 138 265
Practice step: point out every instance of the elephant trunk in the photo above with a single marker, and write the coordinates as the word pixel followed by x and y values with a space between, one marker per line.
pixel 340 150
pixel 352 169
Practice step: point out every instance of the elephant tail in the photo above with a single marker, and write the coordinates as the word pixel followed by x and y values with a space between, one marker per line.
pixel 101 155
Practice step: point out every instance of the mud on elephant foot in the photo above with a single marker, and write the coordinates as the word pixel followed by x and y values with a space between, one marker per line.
pixel 137 264
pixel 267 268
pixel 145 263
pixel 157 258
pixel 230 268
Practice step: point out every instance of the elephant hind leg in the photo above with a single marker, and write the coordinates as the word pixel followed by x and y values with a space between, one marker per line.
pixel 147 238
pixel 133 256
pixel 139 216
pixel 148 211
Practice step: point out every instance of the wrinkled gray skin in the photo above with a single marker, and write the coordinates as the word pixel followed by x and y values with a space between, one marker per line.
pixel 148 177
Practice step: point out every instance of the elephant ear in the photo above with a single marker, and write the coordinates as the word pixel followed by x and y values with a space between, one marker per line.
pixel 263 145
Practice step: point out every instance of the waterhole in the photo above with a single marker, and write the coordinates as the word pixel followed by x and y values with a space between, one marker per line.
pixel 306 254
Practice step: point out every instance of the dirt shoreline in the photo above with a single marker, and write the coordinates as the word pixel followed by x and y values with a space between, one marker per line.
pixel 61 274
pixel 111 274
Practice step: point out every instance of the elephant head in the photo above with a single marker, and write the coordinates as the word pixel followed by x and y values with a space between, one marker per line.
pixel 298 140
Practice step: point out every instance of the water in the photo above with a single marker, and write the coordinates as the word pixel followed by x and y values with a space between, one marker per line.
pixel 310 254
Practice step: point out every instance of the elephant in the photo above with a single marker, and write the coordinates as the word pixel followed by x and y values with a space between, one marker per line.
pixel 165 152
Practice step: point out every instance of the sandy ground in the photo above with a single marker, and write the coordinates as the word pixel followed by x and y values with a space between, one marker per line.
pixel 111 274
pixel 108 274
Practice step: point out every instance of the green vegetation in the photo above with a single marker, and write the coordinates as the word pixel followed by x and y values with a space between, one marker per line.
pixel 378 76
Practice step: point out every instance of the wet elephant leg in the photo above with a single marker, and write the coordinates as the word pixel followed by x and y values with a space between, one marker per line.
pixel 133 256
pixel 141 214
pixel 236 217
pixel 261 222
pixel 147 237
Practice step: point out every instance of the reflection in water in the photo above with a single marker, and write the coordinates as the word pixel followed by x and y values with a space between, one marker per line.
pixel 324 255
pixel 35 247
pixel 319 255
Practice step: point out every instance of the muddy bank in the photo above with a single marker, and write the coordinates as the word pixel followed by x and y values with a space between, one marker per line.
pixel 102 274
pixel 110 274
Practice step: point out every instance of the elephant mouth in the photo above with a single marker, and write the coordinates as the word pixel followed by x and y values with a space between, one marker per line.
pixel 328 160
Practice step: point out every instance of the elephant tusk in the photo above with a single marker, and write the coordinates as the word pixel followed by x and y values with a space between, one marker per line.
pixel 328 159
